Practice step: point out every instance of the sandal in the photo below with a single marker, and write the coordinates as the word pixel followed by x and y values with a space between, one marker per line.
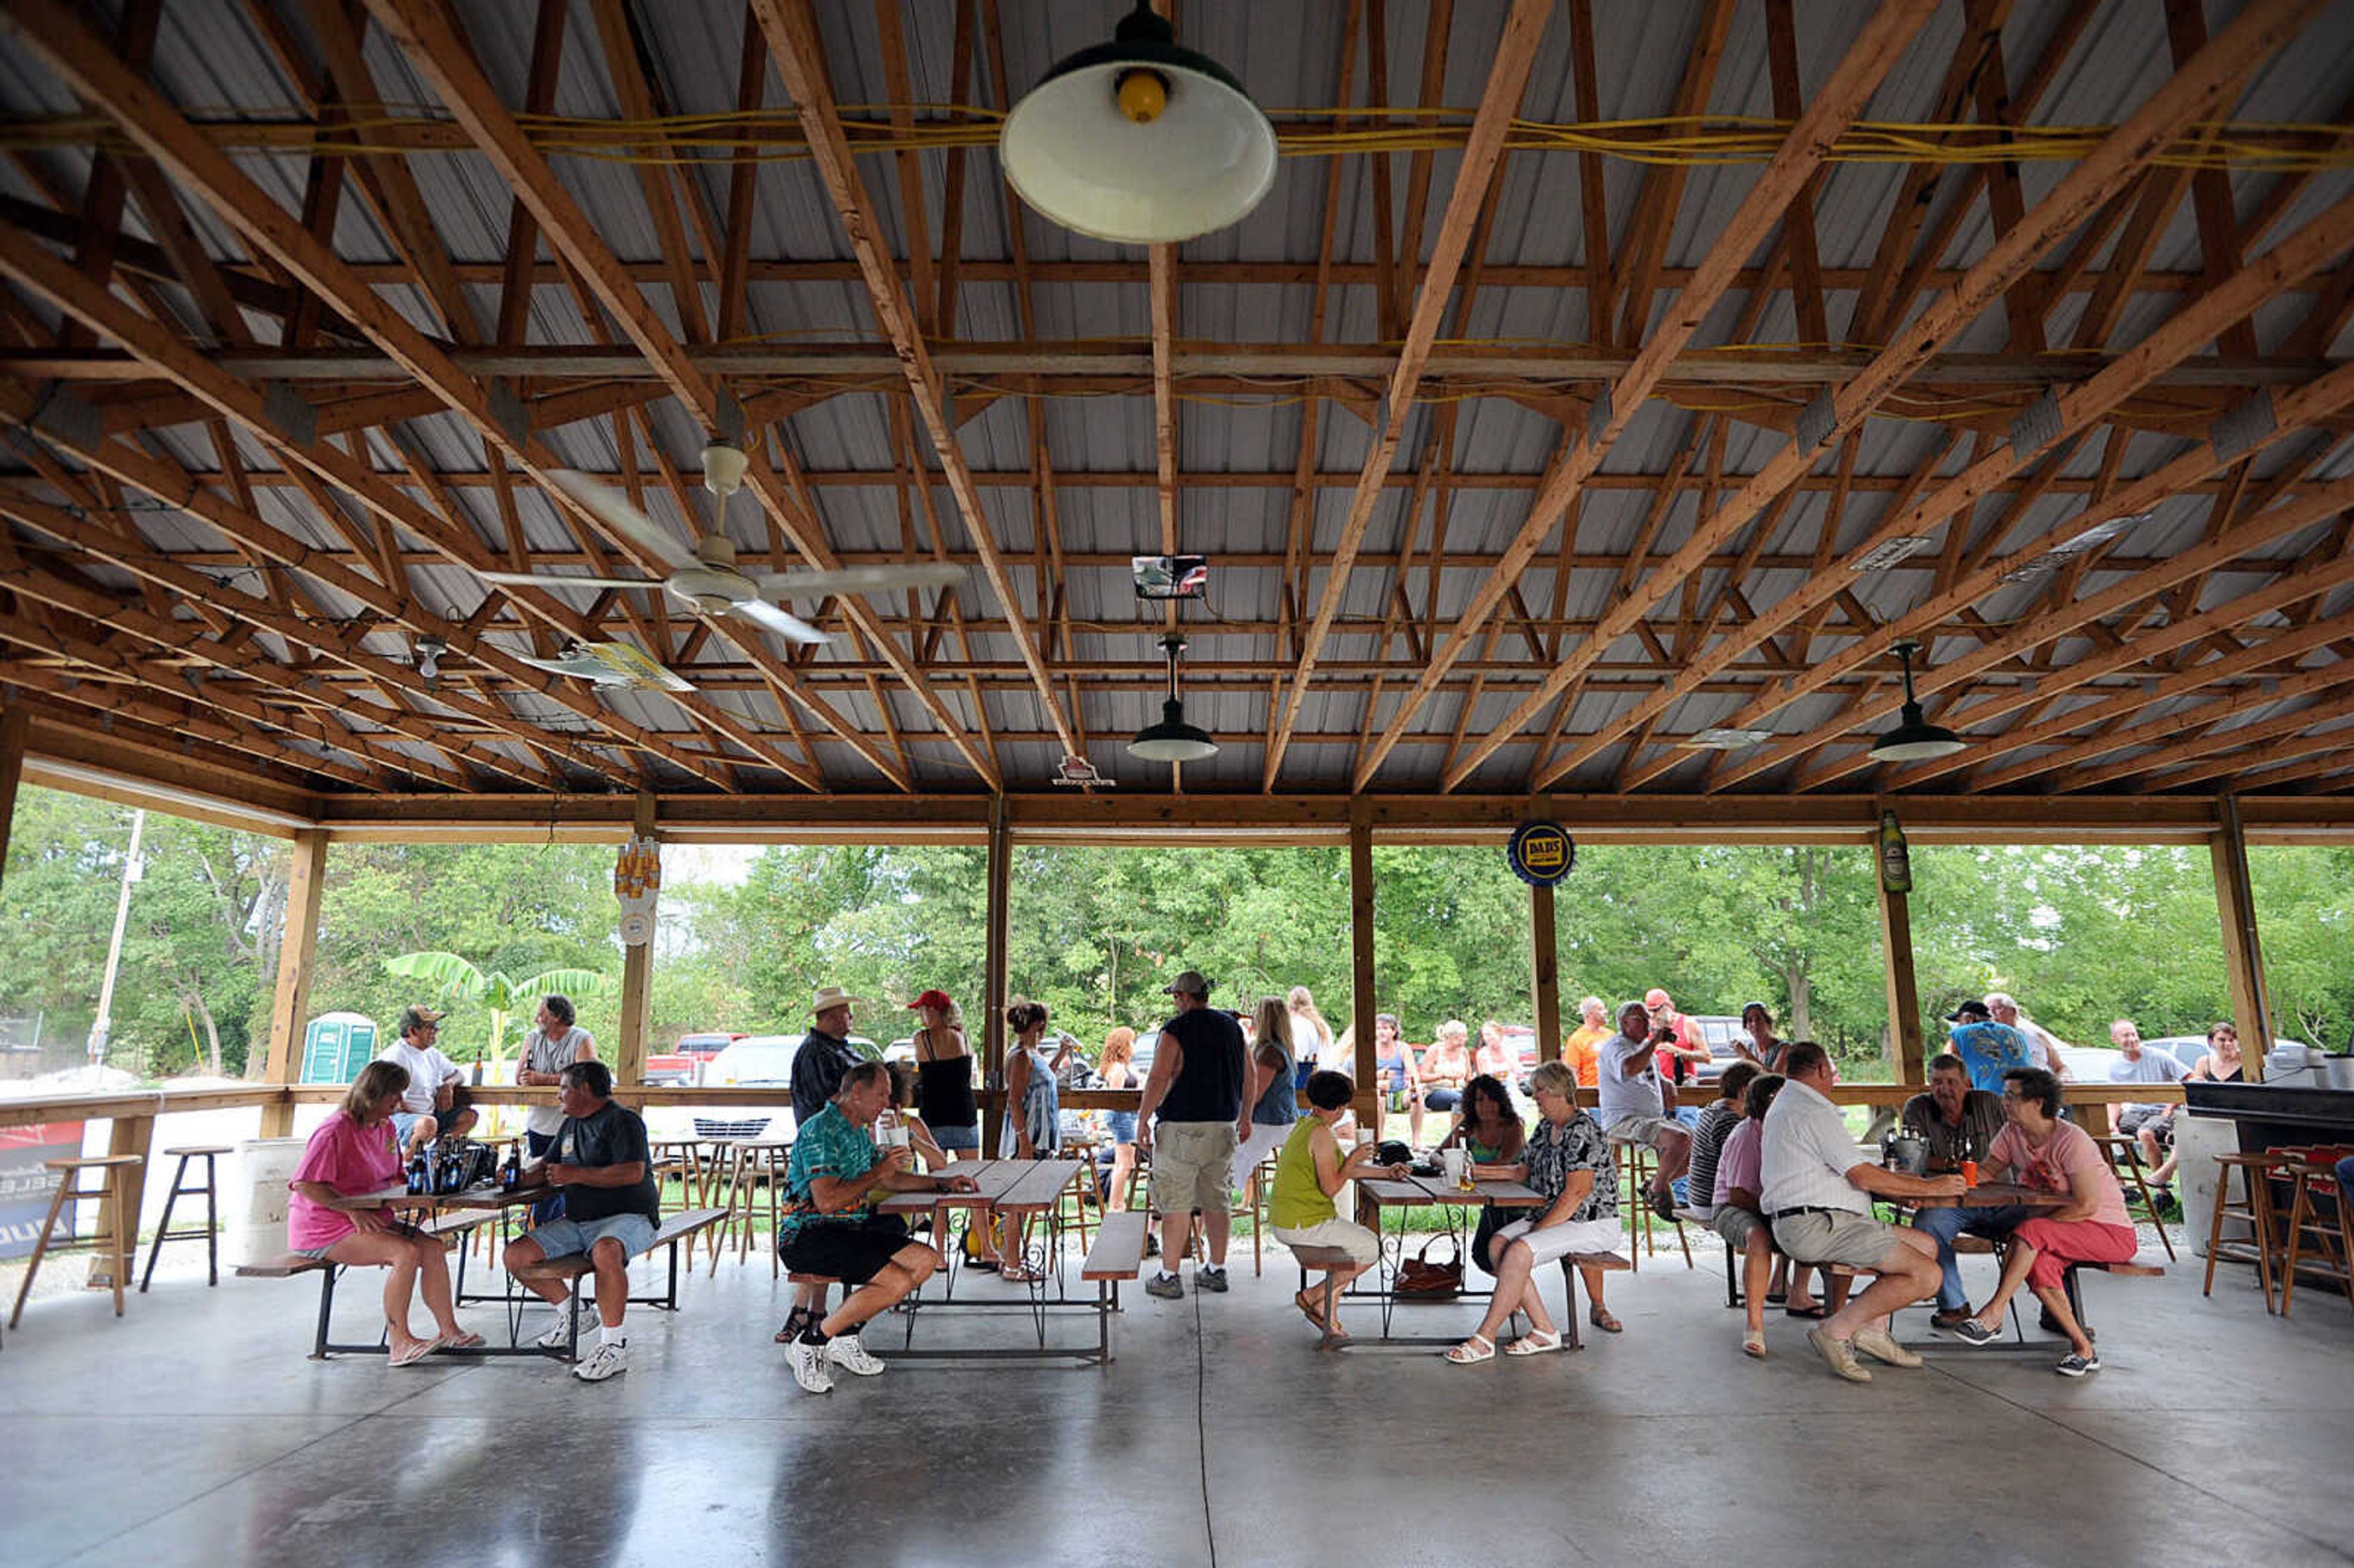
pixel 463 1341
pixel 1533 1343
pixel 1313 1309
pixel 1811 1312
pixel 1470 1352
pixel 1016 1274
pixel 415 1353
pixel 1601 1317
pixel 1753 1344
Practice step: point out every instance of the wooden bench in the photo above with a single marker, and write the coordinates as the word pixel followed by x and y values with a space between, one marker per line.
pixel 452 1230
pixel 678 1228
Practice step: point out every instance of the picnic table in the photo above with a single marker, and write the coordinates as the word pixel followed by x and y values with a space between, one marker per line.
pixel 1398 1196
pixel 2011 1194
pixel 1015 1191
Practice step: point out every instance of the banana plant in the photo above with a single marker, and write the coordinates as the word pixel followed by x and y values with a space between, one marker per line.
pixel 501 995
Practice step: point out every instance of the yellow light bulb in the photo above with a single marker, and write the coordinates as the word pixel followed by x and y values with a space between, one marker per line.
pixel 1142 96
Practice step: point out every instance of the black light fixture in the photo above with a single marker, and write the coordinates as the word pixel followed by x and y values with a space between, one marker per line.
pixel 1913 739
pixel 1140 140
pixel 1172 739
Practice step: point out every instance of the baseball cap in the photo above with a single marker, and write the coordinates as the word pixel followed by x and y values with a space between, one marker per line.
pixel 939 998
pixel 1655 997
pixel 1191 983
pixel 412 1017
pixel 1968 1012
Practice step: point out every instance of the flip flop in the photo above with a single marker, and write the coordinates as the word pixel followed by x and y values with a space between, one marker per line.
pixel 1602 1319
pixel 1811 1313
pixel 464 1342
pixel 1776 1297
pixel 1754 1345
pixel 415 1353
pixel 1311 1309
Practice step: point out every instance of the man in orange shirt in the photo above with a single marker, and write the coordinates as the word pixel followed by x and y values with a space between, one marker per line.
pixel 1579 1049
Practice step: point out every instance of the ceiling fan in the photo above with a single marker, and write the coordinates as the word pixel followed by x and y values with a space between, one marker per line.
pixel 707 579
pixel 609 664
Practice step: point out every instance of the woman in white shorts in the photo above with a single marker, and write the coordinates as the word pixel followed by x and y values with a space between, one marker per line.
pixel 1310 1173
pixel 1568 1162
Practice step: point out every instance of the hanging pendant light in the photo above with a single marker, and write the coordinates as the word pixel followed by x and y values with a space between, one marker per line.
pixel 1172 739
pixel 1140 140
pixel 1913 739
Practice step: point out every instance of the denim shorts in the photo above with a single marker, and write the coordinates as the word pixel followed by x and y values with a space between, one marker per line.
pixel 1122 1125
pixel 563 1238
pixel 963 1139
pixel 404 1120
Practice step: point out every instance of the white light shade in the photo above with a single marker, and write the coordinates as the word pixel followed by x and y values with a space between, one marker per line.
pixel 1202 162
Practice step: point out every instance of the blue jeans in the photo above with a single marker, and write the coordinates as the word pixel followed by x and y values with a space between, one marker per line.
pixel 1943 1224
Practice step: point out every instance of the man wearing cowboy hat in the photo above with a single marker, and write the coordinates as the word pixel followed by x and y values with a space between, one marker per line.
pixel 824 1054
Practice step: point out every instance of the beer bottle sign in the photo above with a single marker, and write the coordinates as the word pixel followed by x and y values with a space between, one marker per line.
pixel 637 879
pixel 1895 860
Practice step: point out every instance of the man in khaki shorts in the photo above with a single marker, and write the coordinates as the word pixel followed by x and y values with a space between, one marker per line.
pixel 1818 1193
pixel 1195 1088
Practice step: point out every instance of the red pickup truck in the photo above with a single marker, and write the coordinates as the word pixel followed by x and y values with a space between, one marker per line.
pixel 683 1065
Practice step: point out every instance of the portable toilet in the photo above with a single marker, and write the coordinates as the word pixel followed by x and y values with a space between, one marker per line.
pixel 336 1045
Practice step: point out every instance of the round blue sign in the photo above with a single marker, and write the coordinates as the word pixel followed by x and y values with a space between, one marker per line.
pixel 1541 854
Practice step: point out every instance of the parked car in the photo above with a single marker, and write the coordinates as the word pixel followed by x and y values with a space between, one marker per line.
pixel 682 1064
pixel 756 1061
pixel 1719 1030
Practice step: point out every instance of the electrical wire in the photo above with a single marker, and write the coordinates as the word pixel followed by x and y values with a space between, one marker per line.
pixel 1682 140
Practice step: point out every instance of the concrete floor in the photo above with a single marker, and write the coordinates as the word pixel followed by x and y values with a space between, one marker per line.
pixel 195 1432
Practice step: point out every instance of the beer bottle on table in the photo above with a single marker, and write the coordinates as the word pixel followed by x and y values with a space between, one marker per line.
pixel 510 1174
pixel 416 1176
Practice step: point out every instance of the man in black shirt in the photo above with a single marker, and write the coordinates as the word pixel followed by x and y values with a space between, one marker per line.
pixel 612 1208
pixel 825 1054
pixel 1197 1087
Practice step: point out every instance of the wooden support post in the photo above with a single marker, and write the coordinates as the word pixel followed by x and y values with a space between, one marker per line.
pixel 126 1191
pixel 994 980
pixel 1362 1002
pixel 1545 974
pixel 15 723
pixel 637 976
pixel 1903 997
pixel 2244 958
pixel 290 1004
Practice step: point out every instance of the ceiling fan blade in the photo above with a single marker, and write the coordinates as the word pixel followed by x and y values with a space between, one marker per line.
pixel 635 667
pixel 533 579
pixel 580 668
pixel 614 509
pixel 791 627
pixel 862 579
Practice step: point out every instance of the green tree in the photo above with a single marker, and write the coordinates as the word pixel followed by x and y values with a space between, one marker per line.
pixel 497 993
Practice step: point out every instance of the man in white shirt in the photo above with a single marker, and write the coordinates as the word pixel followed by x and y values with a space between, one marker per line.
pixel 1633 1108
pixel 432 1081
pixel 1818 1193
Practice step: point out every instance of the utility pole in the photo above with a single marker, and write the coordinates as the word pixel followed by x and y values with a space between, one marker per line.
pixel 103 1024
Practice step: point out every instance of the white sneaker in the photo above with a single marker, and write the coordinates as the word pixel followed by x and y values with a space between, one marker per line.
pixel 558 1338
pixel 850 1354
pixel 812 1369
pixel 604 1361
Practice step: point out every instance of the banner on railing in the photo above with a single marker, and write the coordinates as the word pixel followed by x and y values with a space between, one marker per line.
pixel 26 1188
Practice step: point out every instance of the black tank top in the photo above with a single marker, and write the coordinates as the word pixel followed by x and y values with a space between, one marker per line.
pixel 944 1092
pixel 1209 1083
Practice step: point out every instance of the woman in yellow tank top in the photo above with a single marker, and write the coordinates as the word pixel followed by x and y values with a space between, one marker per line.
pixel 1310 1172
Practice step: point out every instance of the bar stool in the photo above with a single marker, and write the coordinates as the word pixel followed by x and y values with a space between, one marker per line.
pixel 180 1189
pixel 120 1242
pixel 1635 1164
pixel 2113 1145
pixel 2254 1209
pixel 2317 1217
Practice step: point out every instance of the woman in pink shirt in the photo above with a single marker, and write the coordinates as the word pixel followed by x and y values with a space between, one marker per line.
pixel 2037 1149
pixel 354 1150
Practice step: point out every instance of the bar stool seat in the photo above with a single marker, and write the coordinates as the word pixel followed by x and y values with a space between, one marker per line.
pixel 120 1241
pixel 210 1230
pixel 2254 1209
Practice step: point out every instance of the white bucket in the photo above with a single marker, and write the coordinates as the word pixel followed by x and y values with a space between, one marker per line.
pixel 2197 1141
pixel 257 1198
